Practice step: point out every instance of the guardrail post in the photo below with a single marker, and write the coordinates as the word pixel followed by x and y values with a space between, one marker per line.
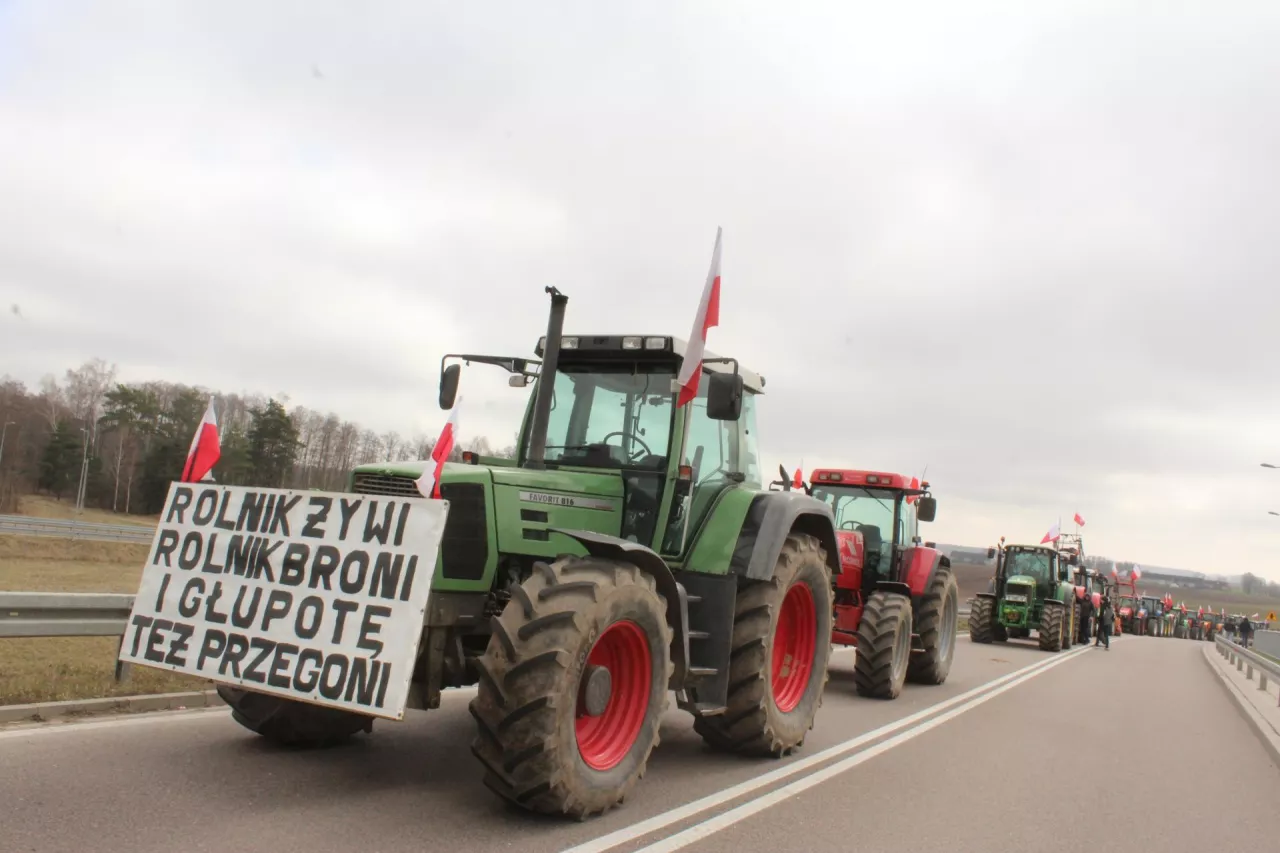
pixel 1248 674
pixel 123 669
pixel 1239 663
pixel 1262 679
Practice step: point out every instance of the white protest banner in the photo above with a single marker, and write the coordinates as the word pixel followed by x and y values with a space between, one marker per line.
pixel 314 596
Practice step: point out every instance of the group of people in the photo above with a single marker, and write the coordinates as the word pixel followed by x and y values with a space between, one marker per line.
pixel 1102 625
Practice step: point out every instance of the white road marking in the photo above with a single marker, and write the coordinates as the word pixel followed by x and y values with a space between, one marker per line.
pixel 751 807
pixel 662 821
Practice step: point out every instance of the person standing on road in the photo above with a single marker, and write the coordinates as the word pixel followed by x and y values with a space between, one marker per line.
pixel 1106 617
pixel 1246 628
pixel 1086 610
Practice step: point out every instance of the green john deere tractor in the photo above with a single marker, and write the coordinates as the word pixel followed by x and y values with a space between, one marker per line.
pixel 627 552
pixel 1031 591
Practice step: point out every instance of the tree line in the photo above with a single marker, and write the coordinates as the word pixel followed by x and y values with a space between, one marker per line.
pixel 131 440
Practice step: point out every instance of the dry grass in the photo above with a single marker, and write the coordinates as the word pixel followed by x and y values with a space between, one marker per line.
pixel 50 669
pixel 40 506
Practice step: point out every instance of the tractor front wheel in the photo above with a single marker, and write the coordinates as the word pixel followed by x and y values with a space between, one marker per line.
pixel 291 723
pixel 935 620
pixel 982 617
pixel 778 663
pixel 884 646
pixel 572 686
pixel 1051 627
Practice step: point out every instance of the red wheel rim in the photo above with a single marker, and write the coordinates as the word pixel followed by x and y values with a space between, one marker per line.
pixel 794 641
pixel 605 740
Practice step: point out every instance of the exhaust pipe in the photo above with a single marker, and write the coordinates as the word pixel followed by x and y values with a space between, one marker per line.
pixel 536 457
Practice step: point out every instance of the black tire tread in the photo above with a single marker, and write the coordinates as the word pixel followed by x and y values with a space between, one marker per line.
pixel 981 619
pixel 522 682
pixel 927 667
pixel 291 723
pixel 1051 626
pixel 746 726
pixel 884 615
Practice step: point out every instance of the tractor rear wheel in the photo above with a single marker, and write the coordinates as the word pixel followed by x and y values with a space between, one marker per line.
pixel 1068 627
pixel 884 646
pixel 291 723
pixel 1051 626
pixel 981 619
pixel 780 649
pixel 572 686
pixel 935 619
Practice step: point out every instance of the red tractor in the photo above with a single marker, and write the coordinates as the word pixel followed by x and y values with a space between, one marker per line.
pixel 896 599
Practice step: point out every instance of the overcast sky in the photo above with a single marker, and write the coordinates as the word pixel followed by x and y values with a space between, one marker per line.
pixel 1034 251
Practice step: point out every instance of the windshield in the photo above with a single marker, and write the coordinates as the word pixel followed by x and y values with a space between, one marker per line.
pixel 1036 564
pixel 610 416
pixel 859 508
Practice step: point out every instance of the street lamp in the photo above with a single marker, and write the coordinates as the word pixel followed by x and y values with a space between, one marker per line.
pixel 3 432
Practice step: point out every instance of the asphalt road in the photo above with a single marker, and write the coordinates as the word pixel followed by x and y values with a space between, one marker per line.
pixel 1016 745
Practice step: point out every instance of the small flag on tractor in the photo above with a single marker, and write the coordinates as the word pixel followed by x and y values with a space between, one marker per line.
pixel 1136 573
pixel 1079 521
pixel 429 482
pixel 708 315
pixel 205 449
pixel 1053 535
pixel 798 481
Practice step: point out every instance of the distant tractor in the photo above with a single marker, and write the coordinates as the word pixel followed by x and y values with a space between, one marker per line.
pixel 1151 609
pixel 1031 591
pixel 896 598
pixel 1127 606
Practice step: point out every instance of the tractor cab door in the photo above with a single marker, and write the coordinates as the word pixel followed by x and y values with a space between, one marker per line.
pixel 721 454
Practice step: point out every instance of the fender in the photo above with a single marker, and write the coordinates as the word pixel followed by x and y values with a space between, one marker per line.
pixel 771 518
pixel 920 566
pixel 894 586
pixel 613 548
pixel 990 596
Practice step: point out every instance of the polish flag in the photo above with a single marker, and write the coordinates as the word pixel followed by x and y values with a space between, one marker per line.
pixel 1097 599
pixel 1052 535
pixel 798 482
pixel 205 449
pixel 708 316
pixel 1079 520
pixel 1136 573
pixel 915 484
pixel 429 482
pixel 1200 612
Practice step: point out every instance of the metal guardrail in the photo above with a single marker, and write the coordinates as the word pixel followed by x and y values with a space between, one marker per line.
pixel 1248 661
pixel 63 614
pixel 25 525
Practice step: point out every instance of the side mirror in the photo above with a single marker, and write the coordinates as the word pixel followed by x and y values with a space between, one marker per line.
pixel 926 508
pixel 991 553
pixel 724 396
pixel 449 385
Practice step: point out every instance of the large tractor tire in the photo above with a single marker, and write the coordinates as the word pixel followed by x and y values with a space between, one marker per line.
pixel 982 618
pixel 1051 626
pixel 1068 627
pixel 572 687
pixel 778 663
pixel 935 619
pixel 884 646
pixel 291 723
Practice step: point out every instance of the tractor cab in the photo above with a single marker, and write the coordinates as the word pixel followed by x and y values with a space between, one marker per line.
pixel 877 519
pixel 1029 571
pixel 603 448
pixel 1153 606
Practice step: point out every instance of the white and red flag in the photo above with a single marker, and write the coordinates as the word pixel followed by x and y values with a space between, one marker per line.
pixel 429 482
pixel 1136 573
pixel 1079 520
pixel 205 450
pixel 1053 534
pixel 798 482
pixel 708 316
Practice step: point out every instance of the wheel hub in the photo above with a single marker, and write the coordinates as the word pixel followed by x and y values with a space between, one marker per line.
pixel 597 687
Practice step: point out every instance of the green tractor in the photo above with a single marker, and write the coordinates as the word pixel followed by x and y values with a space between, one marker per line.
pixel 1031 591
pixel 628 551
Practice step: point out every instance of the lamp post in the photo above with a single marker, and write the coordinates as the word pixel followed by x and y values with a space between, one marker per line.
pixel 84 469
pixel 3 432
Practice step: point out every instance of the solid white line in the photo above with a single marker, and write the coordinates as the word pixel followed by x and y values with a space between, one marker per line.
pixel 752 807
pixel 148 718
pixel 711 801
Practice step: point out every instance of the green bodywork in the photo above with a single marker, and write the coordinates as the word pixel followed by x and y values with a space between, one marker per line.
pixel 1021 596
pixel 516 499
